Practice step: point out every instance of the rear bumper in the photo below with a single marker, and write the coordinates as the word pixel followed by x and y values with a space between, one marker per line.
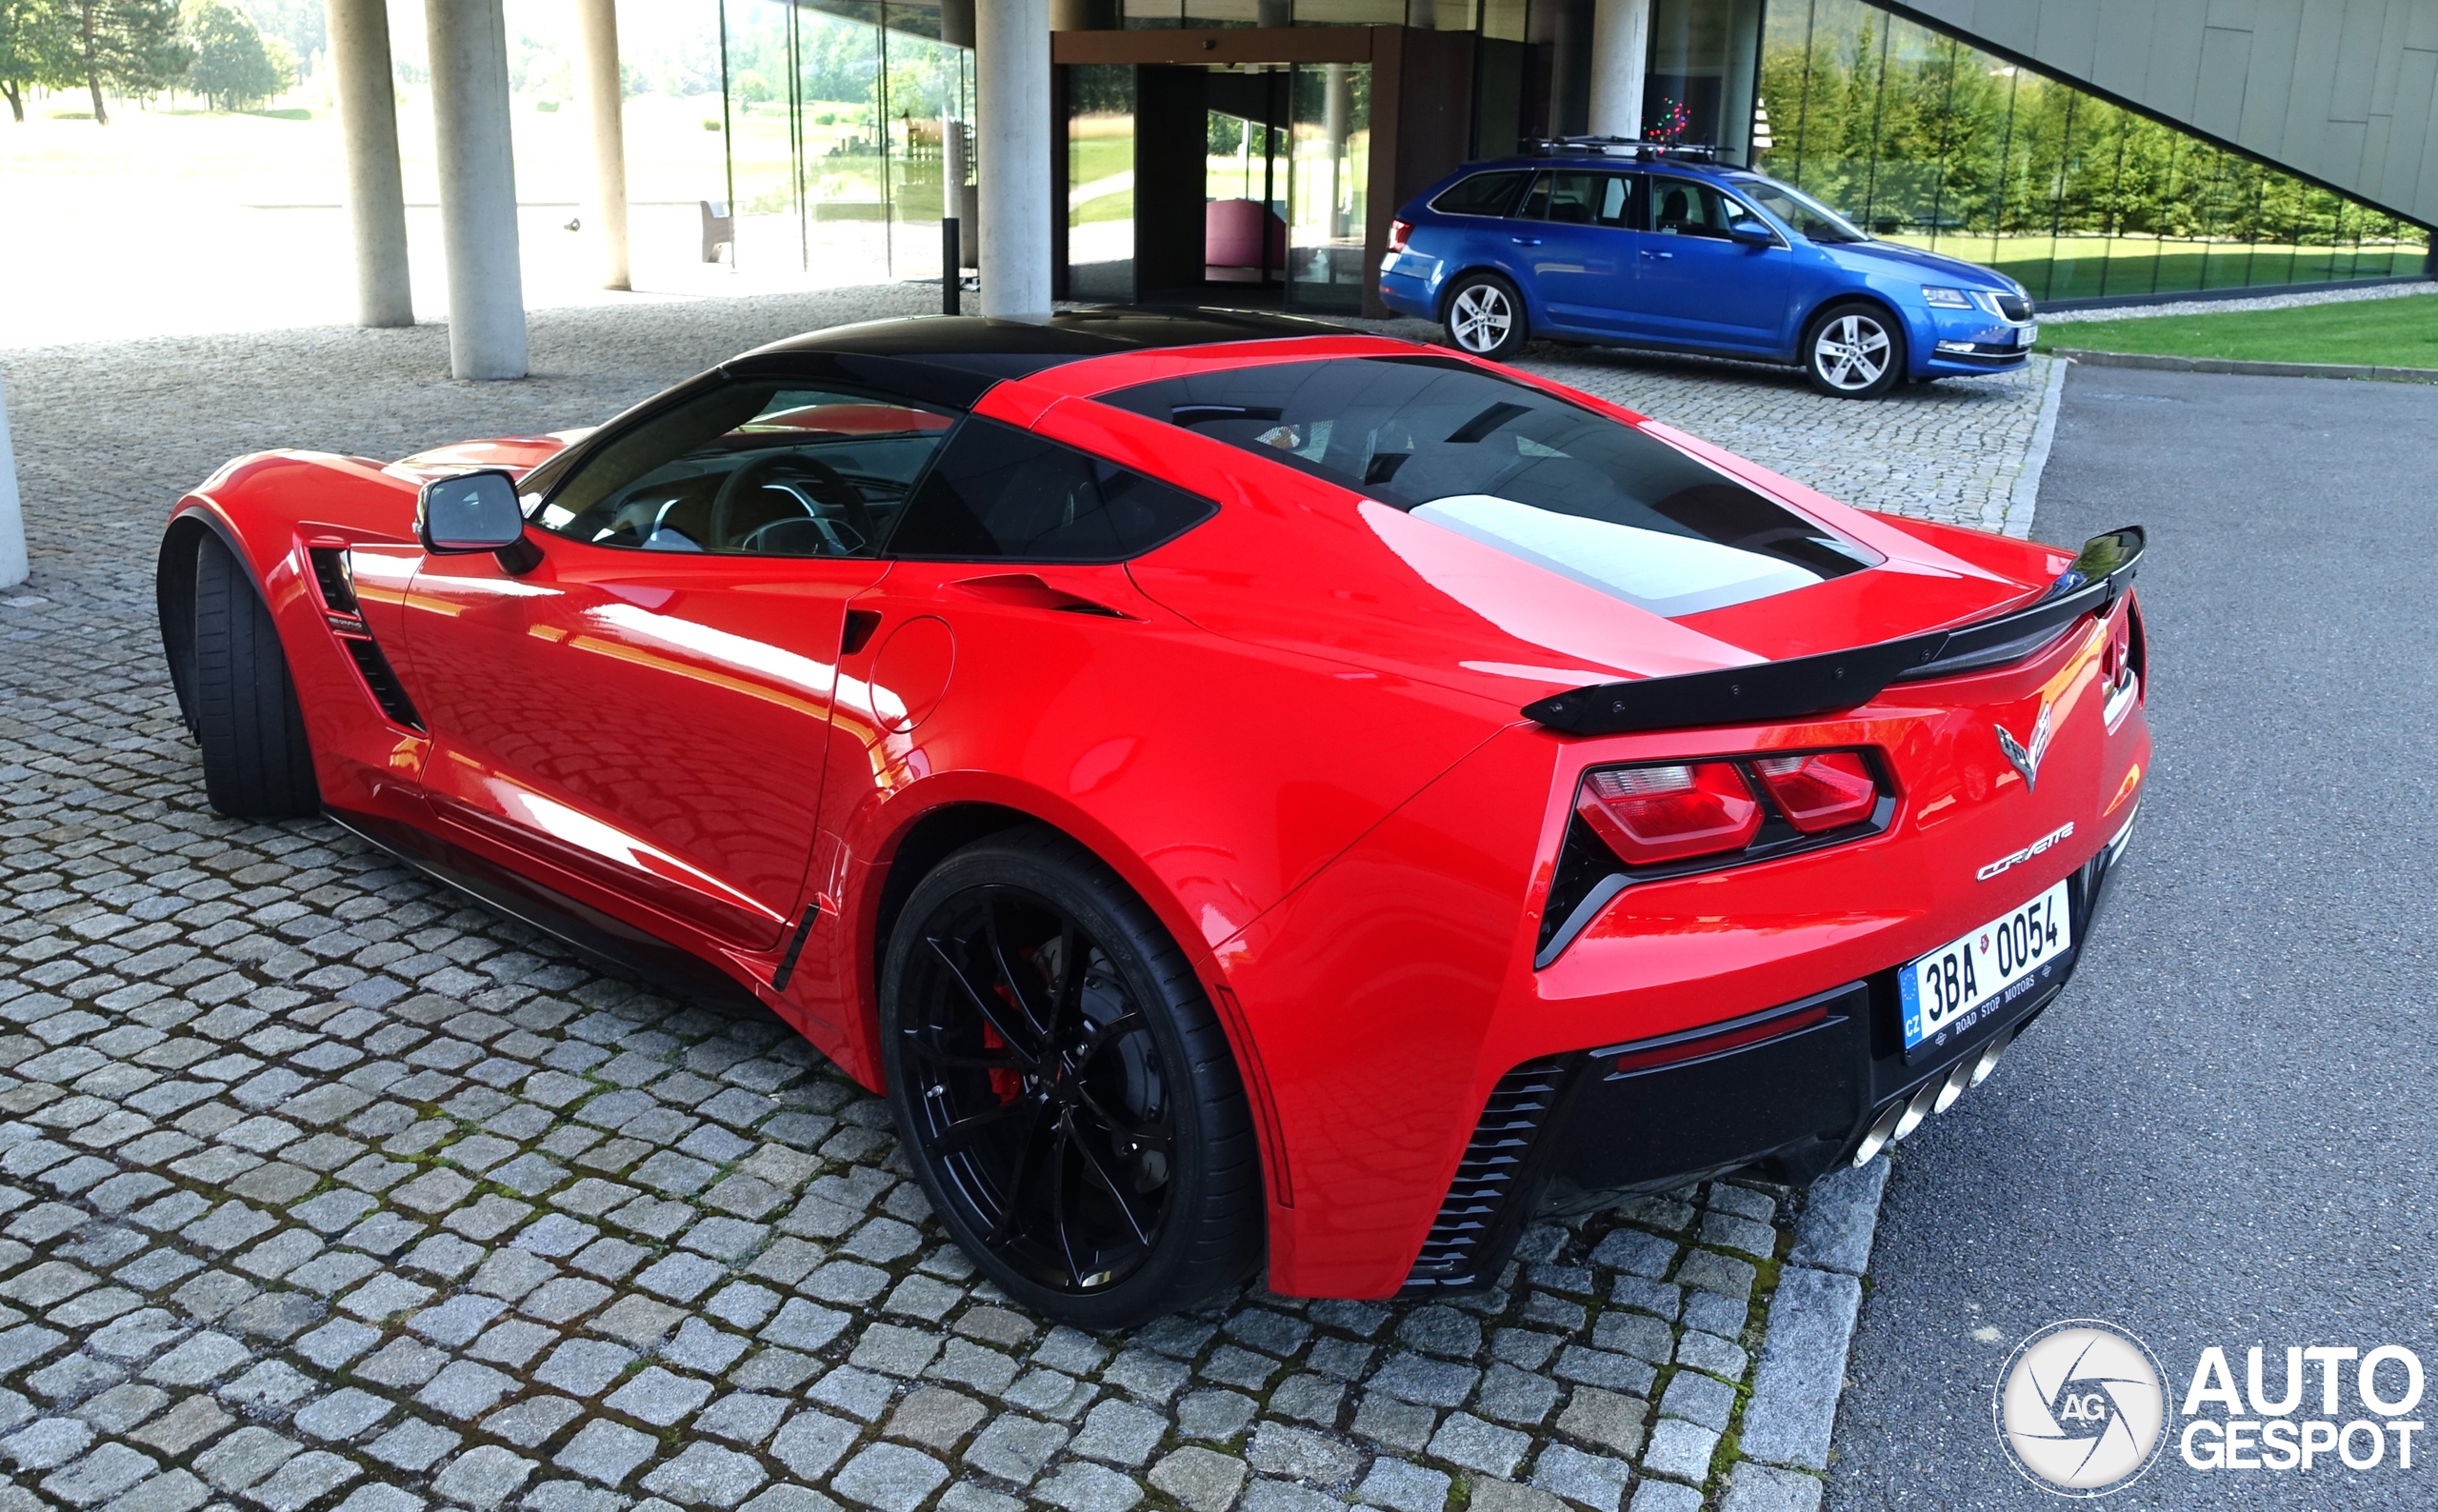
pixel 1792 1091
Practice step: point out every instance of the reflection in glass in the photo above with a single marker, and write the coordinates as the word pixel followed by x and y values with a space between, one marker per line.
pixel 1921 139
pixel 834 122
pixel 1329 133
pixel 1100 181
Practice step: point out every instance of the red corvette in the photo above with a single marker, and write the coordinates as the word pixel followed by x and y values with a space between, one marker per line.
pixel 1248 792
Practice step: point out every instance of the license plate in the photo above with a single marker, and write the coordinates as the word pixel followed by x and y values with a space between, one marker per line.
pixel 1949 990
pixel 2026 335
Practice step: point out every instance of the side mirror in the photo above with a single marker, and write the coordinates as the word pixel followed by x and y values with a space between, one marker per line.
pixel 1750 233
pixel 476 511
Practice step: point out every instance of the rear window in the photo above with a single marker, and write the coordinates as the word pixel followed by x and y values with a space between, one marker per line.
pixel 1481 194
pixel 1516 470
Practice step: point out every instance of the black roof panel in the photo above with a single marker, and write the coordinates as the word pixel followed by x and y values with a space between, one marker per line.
pixel 954 359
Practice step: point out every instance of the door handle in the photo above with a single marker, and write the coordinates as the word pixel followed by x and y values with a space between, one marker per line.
pixel 1648 254
pixel 1527 241
pixel 858 631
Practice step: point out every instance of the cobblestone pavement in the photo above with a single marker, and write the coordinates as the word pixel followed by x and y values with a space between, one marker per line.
pixel 323 1188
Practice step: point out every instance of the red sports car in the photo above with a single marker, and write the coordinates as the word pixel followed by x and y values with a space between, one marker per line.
pixel 1248 792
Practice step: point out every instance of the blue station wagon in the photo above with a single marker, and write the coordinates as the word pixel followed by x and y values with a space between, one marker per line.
pixel 1633 244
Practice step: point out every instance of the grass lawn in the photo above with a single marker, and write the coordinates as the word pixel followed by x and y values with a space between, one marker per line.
pixel 2385 333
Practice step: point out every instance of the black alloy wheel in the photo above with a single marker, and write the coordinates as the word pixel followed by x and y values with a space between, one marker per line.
pixel 1063 1087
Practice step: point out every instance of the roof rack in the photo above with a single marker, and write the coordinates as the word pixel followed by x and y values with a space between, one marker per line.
pixel 1638 148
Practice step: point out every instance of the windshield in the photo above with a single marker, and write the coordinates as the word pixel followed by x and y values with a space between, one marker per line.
pixel 1792 206
pixel 1516 470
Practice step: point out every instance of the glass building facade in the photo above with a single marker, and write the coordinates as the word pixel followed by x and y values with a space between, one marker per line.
pixel 1925 140
pixel 835 112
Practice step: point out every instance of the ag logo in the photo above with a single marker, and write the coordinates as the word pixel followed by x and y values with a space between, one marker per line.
pixel 2081 1409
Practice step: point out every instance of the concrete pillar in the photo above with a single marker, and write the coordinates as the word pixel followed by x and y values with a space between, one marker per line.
pixel 470 107
pixel 605 122
pixel 12 520
pixel 1274 12
pixel 1012 131
pixel 1620 55
pixel 376 199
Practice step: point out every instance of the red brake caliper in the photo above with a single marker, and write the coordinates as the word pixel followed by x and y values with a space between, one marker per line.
pixel 1006 1082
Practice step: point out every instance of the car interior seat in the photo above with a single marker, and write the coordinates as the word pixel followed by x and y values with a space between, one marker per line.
pixel 1674 210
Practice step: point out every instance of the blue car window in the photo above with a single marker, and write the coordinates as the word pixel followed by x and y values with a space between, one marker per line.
pixel 1481 194
pixel 1571 198
pixel 1682 206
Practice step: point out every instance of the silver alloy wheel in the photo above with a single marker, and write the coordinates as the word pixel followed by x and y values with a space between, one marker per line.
pixel 1850 352
pixel 1481 317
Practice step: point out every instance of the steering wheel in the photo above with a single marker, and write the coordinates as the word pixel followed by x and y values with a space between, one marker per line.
pixel 828 487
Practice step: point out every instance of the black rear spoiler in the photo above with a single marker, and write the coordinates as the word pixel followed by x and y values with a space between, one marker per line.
pixel 1835 681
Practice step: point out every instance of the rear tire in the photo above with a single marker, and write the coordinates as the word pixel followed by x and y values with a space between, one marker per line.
pixel 1855 350
pixel 256 763
pixel 1063 1088
pixel 1486 317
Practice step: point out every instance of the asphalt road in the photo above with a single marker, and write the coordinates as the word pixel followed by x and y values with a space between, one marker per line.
pixel 2224 1132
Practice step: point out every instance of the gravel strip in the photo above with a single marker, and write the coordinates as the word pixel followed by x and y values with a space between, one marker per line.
pixel 2229 307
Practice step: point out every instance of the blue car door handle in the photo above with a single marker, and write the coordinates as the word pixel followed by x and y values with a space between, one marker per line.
pixel 1648 254
pixel 1527 241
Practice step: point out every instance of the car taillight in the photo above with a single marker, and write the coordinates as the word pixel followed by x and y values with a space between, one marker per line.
pixel 1822 791
pixel 2117 655
pixel 1650 814
pixel 1398 231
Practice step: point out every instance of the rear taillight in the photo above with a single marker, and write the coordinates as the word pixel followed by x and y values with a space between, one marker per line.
pixel 1822 791
pixel 1663 819
pixel 1649 814
pixel 1398 231
pixel 2120 655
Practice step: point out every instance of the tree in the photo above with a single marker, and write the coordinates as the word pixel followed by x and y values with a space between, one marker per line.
pixel 234 64
pixel 35 47
pixel 130 44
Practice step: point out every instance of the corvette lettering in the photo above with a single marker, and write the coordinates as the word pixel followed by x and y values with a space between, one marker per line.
pixel 2006 862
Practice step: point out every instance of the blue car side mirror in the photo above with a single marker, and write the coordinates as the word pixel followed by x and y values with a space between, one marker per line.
pixel 1750 232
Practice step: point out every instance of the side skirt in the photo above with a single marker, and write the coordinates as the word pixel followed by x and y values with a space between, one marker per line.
pixel 595 935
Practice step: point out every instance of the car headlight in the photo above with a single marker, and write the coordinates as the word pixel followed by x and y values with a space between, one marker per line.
pixel 1945 298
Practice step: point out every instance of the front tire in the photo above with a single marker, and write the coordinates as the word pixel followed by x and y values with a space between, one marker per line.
pixel 1855 350
pixel 256 763
pixel 1486 317
pixel 1063 1090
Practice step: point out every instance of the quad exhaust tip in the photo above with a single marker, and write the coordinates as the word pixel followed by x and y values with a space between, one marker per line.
pixel 1935 1097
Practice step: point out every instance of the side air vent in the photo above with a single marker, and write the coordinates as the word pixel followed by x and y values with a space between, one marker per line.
pixel 336 582
pixel 1477 1224
pixel 344 616
pixel 382 682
